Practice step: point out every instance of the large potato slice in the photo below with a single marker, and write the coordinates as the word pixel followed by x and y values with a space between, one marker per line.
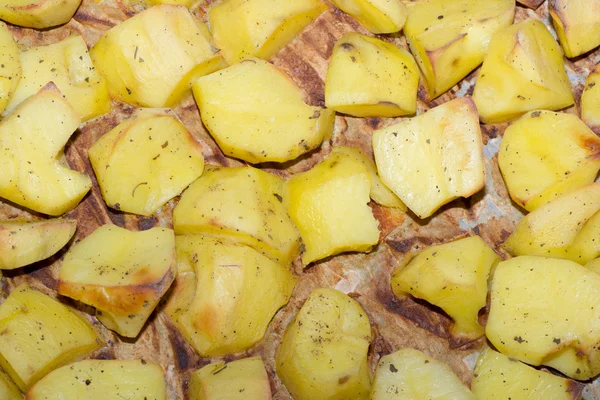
pixel 434 158
pixel 256 113
pixel 590 100
pixel 323 352
pixel 10 73
pixel 378 16
pixel 38 14
pixel 577 24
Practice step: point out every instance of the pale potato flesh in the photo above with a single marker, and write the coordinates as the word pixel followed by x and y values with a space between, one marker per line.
pixel 378 16
pixel 10 73
pixel 590 100
pixel 38 14
pixel 8 389
pixel 577 24
pixel 594 265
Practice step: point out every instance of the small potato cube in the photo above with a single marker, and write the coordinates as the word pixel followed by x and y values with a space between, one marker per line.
pixel 522 71
pixel 151 59
pixel 323 352
pixel 256 113
pixel 590 100
pixel 11 72
pixel 259 28
pixel 432 159
pixel 368 77
pixel 577 24
pixel 378 16
pixel 40 334
pixel 38 14
pixel 145 161
pixel 8 389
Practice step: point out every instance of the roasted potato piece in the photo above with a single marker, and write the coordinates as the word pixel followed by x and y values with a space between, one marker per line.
pixel 40 334
pixel 122 273
pixel 31 144
pixel 590 100
pixel 497 376
pixel 378 16
pixel 546 154
pixel 38 14
pixel 101 380
pixel 256 113
pixel 10 73
pixel 323 352
pixel 237 32
pixel 410 374
pixel 151 59
pixel 546 311
pixel 368 77
pixel 531 3
pixel 244 204
pixel 68 65
pixel 328 204
pixel 145 161
pixel 25 242
pixel 244 379
pixel 432 159
pixel 567 227
pixel 577 24
pixel 8 389
pixel 522 71
pixel 450 38
pixel 214 304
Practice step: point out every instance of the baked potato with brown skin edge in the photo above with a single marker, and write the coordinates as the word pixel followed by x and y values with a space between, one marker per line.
pixel 577 24
pixel 38 14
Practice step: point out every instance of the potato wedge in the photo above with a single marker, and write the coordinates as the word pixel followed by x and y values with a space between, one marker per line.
pixel 256 113
pixel 10 73
pixel 432 159
pixel 151 59
pixel 145 161
pixel 25 242
pixel 214 304
pixel 38 14
pixel 546 311
pixel 236 32
pixel 101 380
pixel 243 204
pixel 8 389
pixel 590 100
pixel 522 71
pixel 323 352
pixel 122 273
pixel 368 77
pixel 378 16
pixel 31 142
pixel 577 24
pixel 546 154
pixel 449 39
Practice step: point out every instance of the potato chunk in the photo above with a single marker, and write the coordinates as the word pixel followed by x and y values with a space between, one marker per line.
pixel 38 14
pixel 546 154
pixel 546 311
pixel 531 3
pixel 590 100
pixel 151 59
pixel 68 65
pixel 434 158
pixel 522 71
pixel 101 380
pixel 497 376
pixel 328 204
pixel 567 227
pixel 25 242
pixel 378 16
pixel 323 352
pixel 40 334
pixel 594 265
pixel 244 204
pixel 368 77
pixel 122 273
pixel 449 39
pixel 8 389
pixel 10 73
pixel 215 304
pixel 145 161
pixel 256 113
pixel 31 142
pixel 244 379
pixel 410 374
pixel 239 35
pixel 577 24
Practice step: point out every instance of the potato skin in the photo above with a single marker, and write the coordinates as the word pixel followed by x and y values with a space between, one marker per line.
pixel 39 14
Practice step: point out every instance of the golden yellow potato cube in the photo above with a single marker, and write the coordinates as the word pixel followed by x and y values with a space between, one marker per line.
pixel 122 273
pixel 259 28
pixel 329 206
pixel 577 24
pixel 590 100
pixel 25 242
pixel 102 380
pixel 432 159
pixel 410 374
pixel 449 39
pixel 257 114
pixel 225 294
pixel 378 16
pixel 368 77
pixel 145 161
pixel 546 311
pixel 10 73
pixel 546 154
pixel 523 70
pixel 151 59
pixel 243 204
pixel 40 334
pixel 32 139
pixel 323 352
pixel 244 379
pixel 68 65
pixel 38 14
